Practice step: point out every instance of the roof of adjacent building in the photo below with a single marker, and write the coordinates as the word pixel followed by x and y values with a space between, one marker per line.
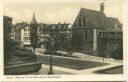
pixel 115 21
pixel 21 25
pixel 111 30
pixel 94 18
pixel 117 26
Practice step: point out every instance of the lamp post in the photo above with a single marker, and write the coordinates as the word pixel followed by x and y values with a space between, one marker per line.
pixel 51 58
pixel 51 66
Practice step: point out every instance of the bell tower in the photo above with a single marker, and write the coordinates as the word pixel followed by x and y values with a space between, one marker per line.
pixel 34 19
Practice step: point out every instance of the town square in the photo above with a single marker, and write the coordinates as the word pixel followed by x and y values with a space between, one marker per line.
pixel 63 38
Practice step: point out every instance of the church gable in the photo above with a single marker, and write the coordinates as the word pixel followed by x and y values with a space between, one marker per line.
pixel 87 17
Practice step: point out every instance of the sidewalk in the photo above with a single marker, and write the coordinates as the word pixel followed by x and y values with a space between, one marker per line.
pixel 57 70
pixel 62 70
pixel 95 58
pixel 113 63
pixel 90 58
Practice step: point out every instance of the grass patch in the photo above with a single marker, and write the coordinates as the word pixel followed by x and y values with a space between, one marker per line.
pixel 113 70
pixel 71 63
pixel 20 57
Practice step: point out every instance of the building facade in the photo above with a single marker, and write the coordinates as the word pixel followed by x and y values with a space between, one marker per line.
pixel 110 41
pixel 59 32
pixel 95 33
pixel 21 34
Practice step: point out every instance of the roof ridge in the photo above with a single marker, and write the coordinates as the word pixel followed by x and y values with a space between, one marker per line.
pixel 91 10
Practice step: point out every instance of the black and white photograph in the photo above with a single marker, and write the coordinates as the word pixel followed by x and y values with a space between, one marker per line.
pixel 63 37
pixel 76 81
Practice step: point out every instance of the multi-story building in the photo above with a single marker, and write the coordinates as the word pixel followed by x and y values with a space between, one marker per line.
pixel 25 36
pixel 21 33
pixel 48 30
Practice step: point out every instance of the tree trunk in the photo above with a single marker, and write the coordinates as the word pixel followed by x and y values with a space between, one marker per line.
pixel 33 50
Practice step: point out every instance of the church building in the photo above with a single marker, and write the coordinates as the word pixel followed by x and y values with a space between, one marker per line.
pixel 88 26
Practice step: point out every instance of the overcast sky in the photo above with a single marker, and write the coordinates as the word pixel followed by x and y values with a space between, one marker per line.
pixel 54 12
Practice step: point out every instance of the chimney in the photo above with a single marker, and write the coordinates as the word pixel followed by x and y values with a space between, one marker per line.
pixel 102 7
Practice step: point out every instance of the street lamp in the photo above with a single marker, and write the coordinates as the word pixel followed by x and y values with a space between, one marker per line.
pixel 51 66
pixel 51 58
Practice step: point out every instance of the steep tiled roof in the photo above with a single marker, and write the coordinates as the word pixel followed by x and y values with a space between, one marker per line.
pixel 21 25
pixel 114 21
pixel 111 30
pixel 95 18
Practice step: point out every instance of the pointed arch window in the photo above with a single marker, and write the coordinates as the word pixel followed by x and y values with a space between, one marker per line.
pixel 84 22
pixel 80 22
pixel 75 32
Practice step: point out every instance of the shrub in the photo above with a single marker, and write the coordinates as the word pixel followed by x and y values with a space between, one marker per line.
pixel 117 54
pixel 21 54
pixel 25 50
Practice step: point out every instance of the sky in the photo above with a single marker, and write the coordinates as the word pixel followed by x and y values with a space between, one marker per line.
pixel 58 11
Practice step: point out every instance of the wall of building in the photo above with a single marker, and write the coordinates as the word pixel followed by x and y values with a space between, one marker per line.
pixel 83 36
pixel 22 36
pixel 26 36
pixel 108 42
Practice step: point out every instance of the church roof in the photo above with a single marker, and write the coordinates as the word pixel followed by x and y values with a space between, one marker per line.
pixel 94 18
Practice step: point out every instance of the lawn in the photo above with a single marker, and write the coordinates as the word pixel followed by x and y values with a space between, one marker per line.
pixel 70 63
pixel 114 70
pixel 20 57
